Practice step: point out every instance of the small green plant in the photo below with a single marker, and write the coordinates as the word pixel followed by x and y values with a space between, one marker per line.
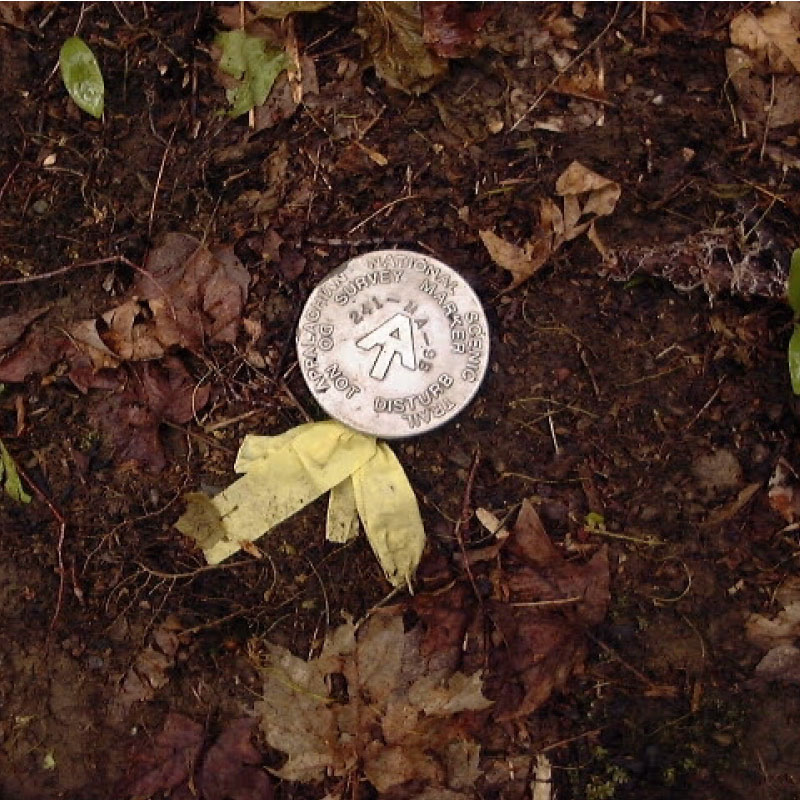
pixel 254 64
pixel 603 785
pixel 793 296
pixel 82 77
pixel 9 477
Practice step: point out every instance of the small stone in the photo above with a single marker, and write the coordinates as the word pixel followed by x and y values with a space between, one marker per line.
pixel 40 207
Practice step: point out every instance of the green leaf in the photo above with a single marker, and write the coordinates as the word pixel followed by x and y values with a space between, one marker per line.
pixel 82 76
pixel 255 63
pixel 281 10
pixel 10 478
pixel 794 359
pixel 793 289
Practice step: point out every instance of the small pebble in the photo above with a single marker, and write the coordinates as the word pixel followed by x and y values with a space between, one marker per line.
pixel 40 207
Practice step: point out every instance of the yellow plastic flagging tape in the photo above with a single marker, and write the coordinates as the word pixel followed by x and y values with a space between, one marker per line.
pixel 284 473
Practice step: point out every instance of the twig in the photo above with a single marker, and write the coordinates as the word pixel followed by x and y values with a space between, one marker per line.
pixel 158 180
pixel 706 404
pixel 769 118
pixel 535 104
pixel 8 179
pixel 69 268
pixel 62 532
pixel 563 601
pixel 464 518
pixel 556 448
pixel 572 739
pixel 614 654
pixel 381 210
pixel 173 576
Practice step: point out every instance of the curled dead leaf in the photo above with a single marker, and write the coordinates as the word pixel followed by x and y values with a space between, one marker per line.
pixel 522 262
pixel 586 195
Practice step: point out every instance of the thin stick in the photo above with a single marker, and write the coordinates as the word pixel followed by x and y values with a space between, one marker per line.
pixel 464 517
pixel 68 268
pixel 8 179
pixel 380 210
pixel 158 180
pixel 706 404
pixel 535 104
pixel 769 118
pixel 62 532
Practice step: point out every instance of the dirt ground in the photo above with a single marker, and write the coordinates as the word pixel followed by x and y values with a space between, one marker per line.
pixel 664 411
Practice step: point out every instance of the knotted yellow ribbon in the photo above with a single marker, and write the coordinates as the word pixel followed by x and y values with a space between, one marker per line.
pixel 284 473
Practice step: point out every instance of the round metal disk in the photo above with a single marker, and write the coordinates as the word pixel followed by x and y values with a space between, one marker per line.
pixel 393 343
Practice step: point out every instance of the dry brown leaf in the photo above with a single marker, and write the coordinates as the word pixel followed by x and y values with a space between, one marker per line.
pixel 784 628
pixel 230 770
pixel 586 197
pixel 13 14
pixel 521 262
pixel 764 63
pixel 540 609
pixel 86 336
pixel 779 636
pixel 175 764
pixel 13 327
pixel 781 663
pixel 784 491
pixel 150 671
pixel 171 760
pixel 400 720
pixel 772 37
pixel 450 28
pixel 155 393
pixel 36 354
pixel 189 296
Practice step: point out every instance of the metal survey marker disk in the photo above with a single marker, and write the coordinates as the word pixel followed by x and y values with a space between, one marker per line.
pixel 393 343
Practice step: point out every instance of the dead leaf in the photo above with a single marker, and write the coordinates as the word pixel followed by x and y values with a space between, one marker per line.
pixel 587 196
pixel 450 28
pixel 13 14
pixel 781 663
pixel 772 37
pixel 784 628
pixel 175 764
pixel 36 354
pixel 521 262
pixel 194 294
pixel 764 63
pixel 229 770
pixel 400 719
pixel 87 338
pixel 282 101
pixel 172 759
pixel 13 327
pixel 784 491
pixel 539 612
pixel 393 34
pixel 150 670
pixel 154 393
pixel 189 296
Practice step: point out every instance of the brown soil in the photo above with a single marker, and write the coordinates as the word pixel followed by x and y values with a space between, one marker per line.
pixel 602 397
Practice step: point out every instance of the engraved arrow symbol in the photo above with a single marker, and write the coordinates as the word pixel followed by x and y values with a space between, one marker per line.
pixel 395 337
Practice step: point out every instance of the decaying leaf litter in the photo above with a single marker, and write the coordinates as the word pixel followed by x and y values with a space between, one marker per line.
pixel 632 417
